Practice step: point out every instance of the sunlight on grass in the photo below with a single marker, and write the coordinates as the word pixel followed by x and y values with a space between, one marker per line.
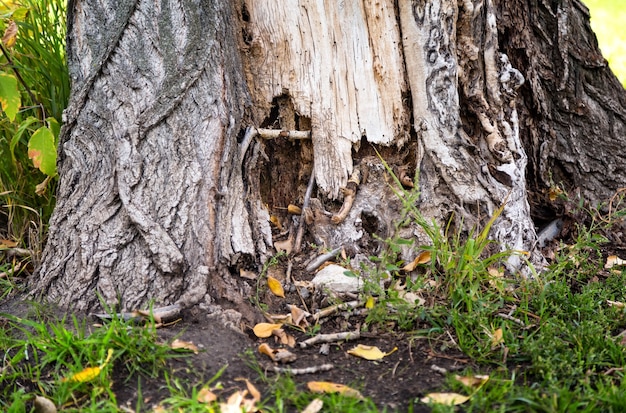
pixel 607 20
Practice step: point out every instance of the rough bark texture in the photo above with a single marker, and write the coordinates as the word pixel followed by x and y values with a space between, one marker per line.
pixel 151 204
pixel 164 195
pixel 572 107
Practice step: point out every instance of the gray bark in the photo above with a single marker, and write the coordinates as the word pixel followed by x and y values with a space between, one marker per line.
pixel 164 196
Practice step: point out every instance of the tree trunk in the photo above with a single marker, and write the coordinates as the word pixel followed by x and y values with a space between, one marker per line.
pixel 168 185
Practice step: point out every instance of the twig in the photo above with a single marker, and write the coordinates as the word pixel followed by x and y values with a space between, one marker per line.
pixel 325 312
pixel 317 262
pixel 159 314
pixel 329 338
pixel 511 318
pixel 305 370
pixel 305 206
pixel 349 193
pixel 277 133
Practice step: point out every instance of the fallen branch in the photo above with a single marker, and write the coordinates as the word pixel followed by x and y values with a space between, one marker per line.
pixel 277 133
pixel 329 338
pixel 305 370
pixel 159 315
pixel 317 262
pixel 325 312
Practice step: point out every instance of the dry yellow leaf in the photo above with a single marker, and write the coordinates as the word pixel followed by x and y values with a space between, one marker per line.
pixel 286 339
pixel 264 330
pixel 497 338
pixel 256 395
pixel 329 387
pixel 369 352
pixel 369 303
pixel 447 399
pixel 422 258
pixel 238 403
pixel 314 407
pixel 474 382
pixel 5 243
pixel 267 350
pixel 275 286
pixel 10 35
pixel 612 261
pixel 276 221
pixel 186 345
pixel 495 272
pixel 206 396
pixel 90 373
pixel 617 304
pixel 285 245
pixel 298 317
pixel 250 275
pixel 294 209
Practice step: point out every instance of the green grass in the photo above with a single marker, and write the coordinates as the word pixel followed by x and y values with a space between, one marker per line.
pixel 607 21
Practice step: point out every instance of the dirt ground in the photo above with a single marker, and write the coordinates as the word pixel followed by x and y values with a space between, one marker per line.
pixel 416 368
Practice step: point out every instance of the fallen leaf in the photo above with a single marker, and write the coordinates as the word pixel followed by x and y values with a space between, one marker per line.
pixel 447 399
pixel 329 387
pixel 422 258
pixel 554 193
pixel 267 350
pixel 10 35
pixel 256 395
pixel 497 338
pixel 89 373
pixel 186 345
pixel 43 405
pixel 282 355
pixel 369 352
pixel 286 339
pixel 314 407
pixel 250 275
pixel 495 272
pixel 276 221
pixel 206 396
pixel 298 317
pixel 285 245
pixel 264 330
pixel 369 303
pixel 238 403
pixel 294 209
pixel 612 261
pixel 275 287
pixel 617 304
pixel 474 382
pixel 5 243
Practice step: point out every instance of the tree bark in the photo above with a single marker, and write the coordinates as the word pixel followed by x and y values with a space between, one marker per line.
pixel 167 188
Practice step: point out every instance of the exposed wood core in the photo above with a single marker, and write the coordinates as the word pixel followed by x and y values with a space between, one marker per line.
pixel 341 65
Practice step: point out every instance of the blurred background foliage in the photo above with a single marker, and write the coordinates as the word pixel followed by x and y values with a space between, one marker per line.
pixel 608 18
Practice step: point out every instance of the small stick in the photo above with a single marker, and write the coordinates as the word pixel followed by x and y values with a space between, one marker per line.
pixel 159 314
pixel 305 206
pixel 317 262
pixel 305 370
pixel 334 308
pixel 349 193
pixel 511 318
pixel 277 133
pixel 329 338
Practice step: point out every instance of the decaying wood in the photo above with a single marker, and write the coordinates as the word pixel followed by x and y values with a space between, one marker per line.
pixel 303 370
pixel 160 314
pixel 162 183
pixel 340 63
pixel 318 261
pixel 325 312
pixel 331 338
pixel 349 193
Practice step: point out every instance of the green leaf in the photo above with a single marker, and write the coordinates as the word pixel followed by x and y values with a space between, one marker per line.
pixel 9 95
pixel 43 152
